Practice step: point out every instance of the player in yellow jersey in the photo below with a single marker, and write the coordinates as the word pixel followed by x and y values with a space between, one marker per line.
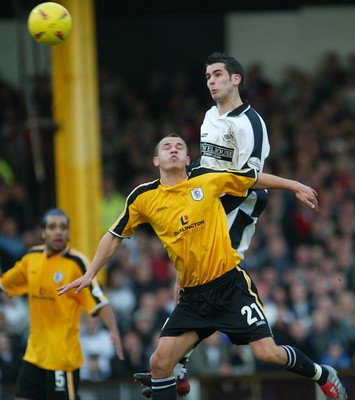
pixel 216 294
pixel 50 369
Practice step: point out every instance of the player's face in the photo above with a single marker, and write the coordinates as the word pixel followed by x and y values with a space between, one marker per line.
pixel 220 84
pixel 172 154
pixel 55 234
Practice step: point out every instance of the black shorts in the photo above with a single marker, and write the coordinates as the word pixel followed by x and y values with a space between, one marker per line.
pixel 41 384
pixel 229 304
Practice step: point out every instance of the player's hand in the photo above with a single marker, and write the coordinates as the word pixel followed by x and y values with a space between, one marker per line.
pixel 308 196
pixel 116 341
pixel 80 283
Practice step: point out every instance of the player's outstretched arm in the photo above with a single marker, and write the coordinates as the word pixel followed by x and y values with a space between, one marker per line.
pixel 303 193
pixel 106 249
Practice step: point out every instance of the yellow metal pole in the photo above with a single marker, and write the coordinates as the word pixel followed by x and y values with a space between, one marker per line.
pixel 76 112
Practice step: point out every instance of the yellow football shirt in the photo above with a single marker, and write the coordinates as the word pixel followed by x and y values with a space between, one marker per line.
pixel 53 341
pixel 189 220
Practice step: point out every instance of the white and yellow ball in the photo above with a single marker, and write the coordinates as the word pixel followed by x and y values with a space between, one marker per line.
pixel 49 23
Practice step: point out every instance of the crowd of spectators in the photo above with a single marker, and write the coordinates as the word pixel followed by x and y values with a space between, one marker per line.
pixel 302 262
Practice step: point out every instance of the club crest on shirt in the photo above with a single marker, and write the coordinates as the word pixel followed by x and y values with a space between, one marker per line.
pixel 228 136
pixel 58 277
pixel 197 193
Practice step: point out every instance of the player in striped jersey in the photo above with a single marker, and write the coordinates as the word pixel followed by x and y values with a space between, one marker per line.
pixel 50 368
pixel 234 135
pixel 185 212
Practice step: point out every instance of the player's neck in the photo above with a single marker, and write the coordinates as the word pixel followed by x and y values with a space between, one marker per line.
pixel 229 104
pixel 172 177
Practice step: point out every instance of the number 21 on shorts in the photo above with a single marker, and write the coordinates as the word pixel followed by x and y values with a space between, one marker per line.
pixel 253 313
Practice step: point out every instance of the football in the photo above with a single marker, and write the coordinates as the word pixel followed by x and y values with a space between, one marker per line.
pixel 49 23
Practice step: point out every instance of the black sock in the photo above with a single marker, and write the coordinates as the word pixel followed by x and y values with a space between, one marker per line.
pixel 164 389
pixel 301 364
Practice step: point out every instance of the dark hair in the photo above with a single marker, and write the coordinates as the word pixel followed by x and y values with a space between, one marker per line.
pixel 53 211
pixel 230 63
pixel 170 135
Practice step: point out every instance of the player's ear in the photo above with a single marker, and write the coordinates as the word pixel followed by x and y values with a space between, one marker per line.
pixel 42 234
pixel 156 161
pixel 188 160
pixel 236 78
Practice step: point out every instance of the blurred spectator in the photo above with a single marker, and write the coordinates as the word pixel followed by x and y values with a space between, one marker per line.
pixel 321 333
pixel 242 360
pixel 143 280
pixel 281 325
pixel 300 337
pixel 346 310
pixel 164 305
pixel 11 243
pixel 135 360
pixel 143 324
pixel 122 298
pixel 15 311
pixel 210 358
pixel 258 90
pixel 10 361
pixel 277 254
pixel 97 349
pixel 336 356
pixel 17 206
pixel 300 302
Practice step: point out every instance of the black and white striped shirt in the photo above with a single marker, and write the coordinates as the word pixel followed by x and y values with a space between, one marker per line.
pixel 237 140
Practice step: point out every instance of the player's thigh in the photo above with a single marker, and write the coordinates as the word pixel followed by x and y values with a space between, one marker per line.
pixel 62 385
pixel 171 349
pixel 30 383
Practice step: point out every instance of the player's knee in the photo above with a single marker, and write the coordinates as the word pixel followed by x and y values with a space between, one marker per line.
pixel 160 366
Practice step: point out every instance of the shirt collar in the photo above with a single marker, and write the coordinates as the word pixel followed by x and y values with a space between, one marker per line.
pixel 239 110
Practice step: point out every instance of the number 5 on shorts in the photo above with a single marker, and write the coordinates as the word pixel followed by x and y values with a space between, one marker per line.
pixel 59 380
